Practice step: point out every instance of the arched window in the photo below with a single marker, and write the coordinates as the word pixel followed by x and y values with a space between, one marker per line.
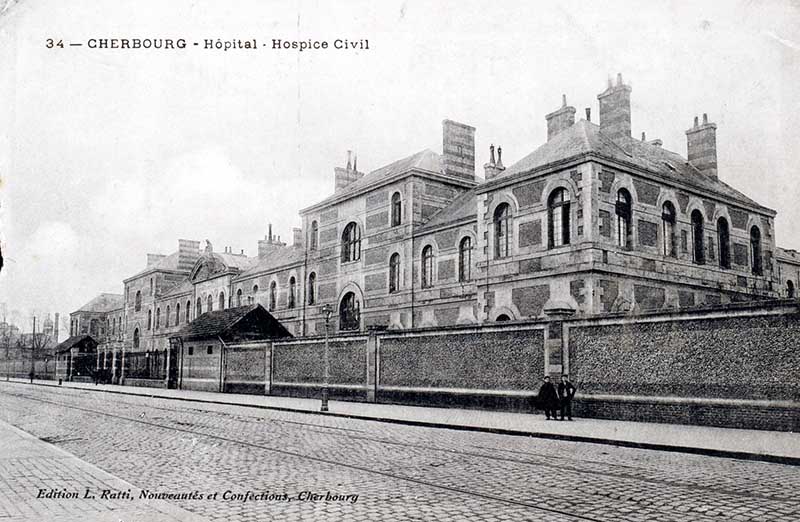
pixel 252 298
pixel 558 218
pixel 351 243
pixel 136 339
pixel 503 317
pixel 239 297
pixel 724 239
pixel 209 303
pixel 199 308
pixel 222 300
pixel 790 289
pixel 177 314
pixel 188 311
pixel 502 215
pixel 427 267
pixel 290 299
pixel 93 326
pixel 151 286
pixel 149 319
pixel 166 317
pixel 158 317
pixel 624 219
pixel 273 295
pixel 668 226
pixel 138 302
pixel 312 241
pixel 755 250
pixel 397 209
pixel 698 245
pixel 349 312
pixel 394 273
pixel 312 288
pixel 465 259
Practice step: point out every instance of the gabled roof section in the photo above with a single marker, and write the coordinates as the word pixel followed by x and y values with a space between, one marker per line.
pixel 278 257
pixel 251 322
pixel 73 341
pixel 103 303
pixel 461 208
pixel 424 161
pixel 584 137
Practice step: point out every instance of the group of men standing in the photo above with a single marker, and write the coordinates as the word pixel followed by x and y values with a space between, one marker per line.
pixel 552 399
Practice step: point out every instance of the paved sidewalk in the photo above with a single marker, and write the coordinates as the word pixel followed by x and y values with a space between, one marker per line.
pixel 36 476
pixel 772 446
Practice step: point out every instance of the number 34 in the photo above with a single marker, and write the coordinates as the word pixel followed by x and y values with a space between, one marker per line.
pixel 52 43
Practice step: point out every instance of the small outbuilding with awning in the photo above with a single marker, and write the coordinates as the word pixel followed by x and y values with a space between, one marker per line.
pixel 76 358
pixel 221 348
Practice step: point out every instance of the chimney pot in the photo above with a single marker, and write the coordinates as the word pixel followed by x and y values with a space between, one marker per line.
pixel 644 138
pixel 695 121
pixel 563 100
pixel 493 168
pixel 705 119
pixel 619 78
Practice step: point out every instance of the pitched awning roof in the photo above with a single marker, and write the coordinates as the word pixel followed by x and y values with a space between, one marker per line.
pixel 251 322
pixel 72 342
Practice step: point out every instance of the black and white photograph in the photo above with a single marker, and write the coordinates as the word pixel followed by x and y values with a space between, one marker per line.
pixel 294 260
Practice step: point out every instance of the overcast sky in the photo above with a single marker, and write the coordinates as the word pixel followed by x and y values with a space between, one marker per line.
pixel 107 155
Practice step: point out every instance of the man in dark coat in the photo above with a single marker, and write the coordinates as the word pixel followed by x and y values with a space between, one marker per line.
pixel 566 391
pixel 548 399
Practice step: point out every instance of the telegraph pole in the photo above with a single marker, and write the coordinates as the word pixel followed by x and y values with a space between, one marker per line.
pixel 33 349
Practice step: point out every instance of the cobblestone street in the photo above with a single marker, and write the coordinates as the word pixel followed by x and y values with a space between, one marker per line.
pixel 313 467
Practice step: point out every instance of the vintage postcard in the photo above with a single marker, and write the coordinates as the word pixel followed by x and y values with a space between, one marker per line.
pixel 402 260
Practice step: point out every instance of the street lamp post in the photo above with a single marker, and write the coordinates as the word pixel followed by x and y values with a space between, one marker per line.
pixel 327 310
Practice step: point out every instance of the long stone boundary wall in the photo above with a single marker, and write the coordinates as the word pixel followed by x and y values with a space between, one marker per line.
pixel 735 365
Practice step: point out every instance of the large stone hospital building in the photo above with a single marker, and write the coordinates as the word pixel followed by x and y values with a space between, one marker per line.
pixel 593 221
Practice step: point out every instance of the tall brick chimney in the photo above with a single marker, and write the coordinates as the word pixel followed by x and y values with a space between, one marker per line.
pixel 188 253
pixel 55 328
pixel 615 111
pixel 152 259
pixel 297 237
pixel 701 144
pixel 458 149
pixel 345 176
pixel 560 120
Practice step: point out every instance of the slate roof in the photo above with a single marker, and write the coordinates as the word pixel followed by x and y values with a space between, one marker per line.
pixel 235 260
pixel 71 342
pixel 180 288
pixel 168 263
pixel 425 160
pixel 462 207
pixel 103 303
pixel 223 323
pixel 585 137
pixel 277 257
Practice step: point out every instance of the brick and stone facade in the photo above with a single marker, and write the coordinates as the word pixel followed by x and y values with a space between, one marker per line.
pixel 593 220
